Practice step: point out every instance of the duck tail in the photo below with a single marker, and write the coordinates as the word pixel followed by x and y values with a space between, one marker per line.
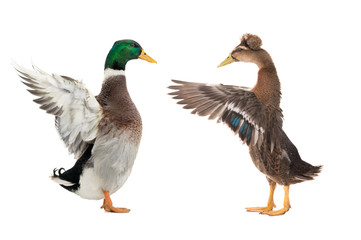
pixel 307 172
pixel 315 171
pixel 57 177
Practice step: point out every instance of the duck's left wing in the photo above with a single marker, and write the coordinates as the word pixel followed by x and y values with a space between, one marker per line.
pixel 77 112
pixel 237 107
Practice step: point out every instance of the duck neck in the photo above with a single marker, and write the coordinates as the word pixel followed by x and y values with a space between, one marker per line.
pixel 268 87
pixel 114 90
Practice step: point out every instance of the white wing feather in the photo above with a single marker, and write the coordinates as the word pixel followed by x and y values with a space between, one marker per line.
pixel 76 110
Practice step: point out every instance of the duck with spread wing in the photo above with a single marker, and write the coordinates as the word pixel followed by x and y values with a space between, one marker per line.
pixel 255 116
pixel 103 132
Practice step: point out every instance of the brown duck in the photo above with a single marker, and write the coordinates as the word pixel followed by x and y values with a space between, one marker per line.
pixel 255 115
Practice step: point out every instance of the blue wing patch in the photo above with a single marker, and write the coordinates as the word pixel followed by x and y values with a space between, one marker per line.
pixel 233 120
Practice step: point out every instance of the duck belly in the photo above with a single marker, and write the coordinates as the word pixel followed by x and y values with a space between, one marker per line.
pixel 269 168
pixel 257 159
pixel 89 185
pixel 111 164
pixel 277 168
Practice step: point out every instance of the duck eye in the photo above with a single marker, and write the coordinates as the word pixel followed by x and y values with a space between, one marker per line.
pixel 132 45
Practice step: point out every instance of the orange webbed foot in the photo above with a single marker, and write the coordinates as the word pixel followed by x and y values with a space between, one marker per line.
pixel 108 205
pixel 277 212
pixel 270 203
pixel 261 209
pixel 286 204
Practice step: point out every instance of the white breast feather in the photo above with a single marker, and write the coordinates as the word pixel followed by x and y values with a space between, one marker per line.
pixel 113 158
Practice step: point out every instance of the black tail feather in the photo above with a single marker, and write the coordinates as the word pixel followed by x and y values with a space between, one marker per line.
pixel 73 174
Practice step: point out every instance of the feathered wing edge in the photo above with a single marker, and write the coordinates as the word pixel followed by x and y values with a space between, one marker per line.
pixel 77 112
pixel 235 106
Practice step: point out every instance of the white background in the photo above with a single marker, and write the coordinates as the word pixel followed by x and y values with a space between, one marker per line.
pixel 192 178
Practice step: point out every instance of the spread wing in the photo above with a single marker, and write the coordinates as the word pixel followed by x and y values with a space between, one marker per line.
pixel 237 107
pixel 77 112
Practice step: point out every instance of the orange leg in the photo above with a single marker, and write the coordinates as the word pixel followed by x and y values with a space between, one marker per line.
pixel 270 203
pixel 108 205
pixel 286 204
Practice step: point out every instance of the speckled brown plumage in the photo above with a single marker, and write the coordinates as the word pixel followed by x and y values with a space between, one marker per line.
pixel 252 41
pixel 256 116
pixel 118 107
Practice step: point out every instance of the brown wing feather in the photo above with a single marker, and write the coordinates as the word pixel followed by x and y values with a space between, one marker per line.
pixel 239 108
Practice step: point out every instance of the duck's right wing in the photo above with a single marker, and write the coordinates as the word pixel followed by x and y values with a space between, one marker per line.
pixel 77 112
pixel 237 107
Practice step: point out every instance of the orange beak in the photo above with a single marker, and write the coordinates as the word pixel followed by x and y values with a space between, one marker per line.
pixel 146 57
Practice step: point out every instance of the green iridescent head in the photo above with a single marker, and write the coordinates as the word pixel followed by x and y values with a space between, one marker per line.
pixel 123 51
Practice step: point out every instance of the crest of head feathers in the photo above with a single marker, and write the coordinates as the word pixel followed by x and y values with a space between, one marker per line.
pixel 251 41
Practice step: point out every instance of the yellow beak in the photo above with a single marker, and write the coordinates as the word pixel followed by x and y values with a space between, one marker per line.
pixel 226 61
pixel 146 57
